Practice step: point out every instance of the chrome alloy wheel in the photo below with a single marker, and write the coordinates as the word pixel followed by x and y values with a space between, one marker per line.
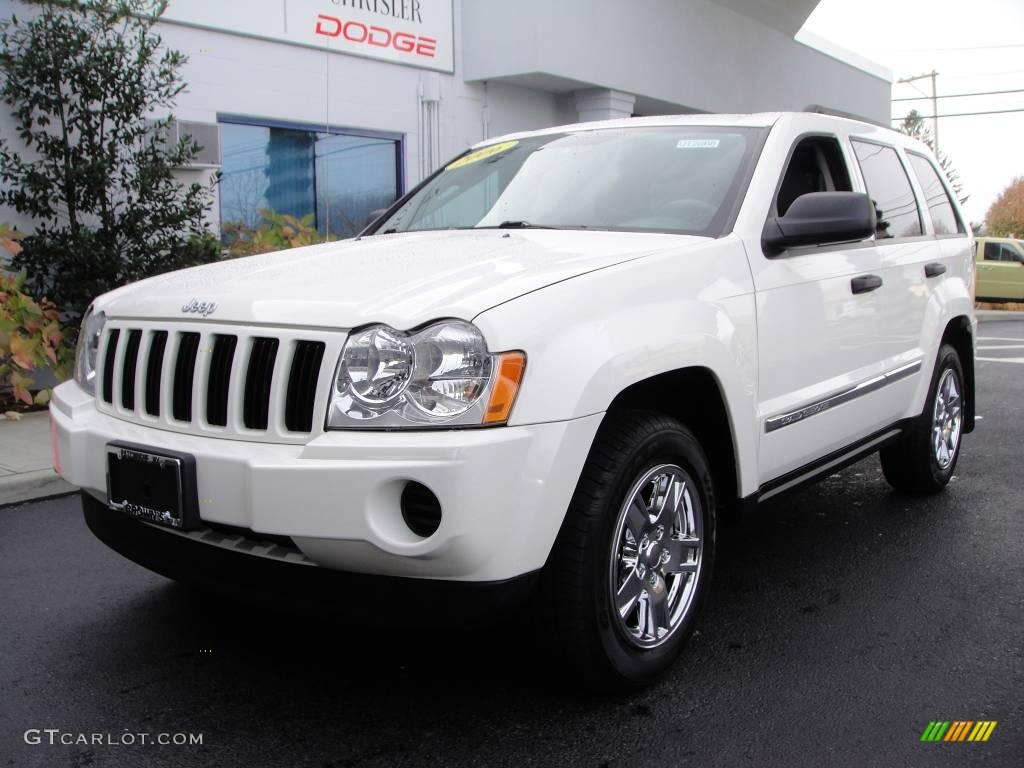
pixel 656 555
pixel 946 420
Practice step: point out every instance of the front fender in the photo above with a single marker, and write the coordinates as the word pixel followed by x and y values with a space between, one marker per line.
pixel 589 338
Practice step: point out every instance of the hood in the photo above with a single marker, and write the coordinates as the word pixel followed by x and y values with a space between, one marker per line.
pixel 403 279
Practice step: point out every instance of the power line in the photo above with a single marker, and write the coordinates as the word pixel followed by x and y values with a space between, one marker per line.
pixel 960 95
pixel 964 114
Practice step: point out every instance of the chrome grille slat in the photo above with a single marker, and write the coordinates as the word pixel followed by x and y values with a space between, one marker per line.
pixel 223 380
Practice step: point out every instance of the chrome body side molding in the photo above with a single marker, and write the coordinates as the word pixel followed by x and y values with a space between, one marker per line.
pixel 865 387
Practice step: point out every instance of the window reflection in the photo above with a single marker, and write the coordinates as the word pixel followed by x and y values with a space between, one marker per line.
pixel 339 178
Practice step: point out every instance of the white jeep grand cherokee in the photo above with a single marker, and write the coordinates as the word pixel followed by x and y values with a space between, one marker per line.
pixel 542 374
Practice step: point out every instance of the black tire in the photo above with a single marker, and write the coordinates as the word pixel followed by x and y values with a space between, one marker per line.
pixel 577 611
pixel 911 464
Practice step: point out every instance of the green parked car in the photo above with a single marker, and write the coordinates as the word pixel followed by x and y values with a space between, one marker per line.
pixel 999 266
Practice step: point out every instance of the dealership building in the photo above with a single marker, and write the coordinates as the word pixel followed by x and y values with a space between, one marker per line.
pixel 336 107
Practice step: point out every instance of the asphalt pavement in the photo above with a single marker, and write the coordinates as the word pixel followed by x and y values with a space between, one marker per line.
pixel 843 619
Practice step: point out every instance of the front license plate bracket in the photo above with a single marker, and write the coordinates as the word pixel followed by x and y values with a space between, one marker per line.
pixel 153 484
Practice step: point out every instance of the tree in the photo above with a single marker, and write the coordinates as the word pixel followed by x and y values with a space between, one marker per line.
pixel 90 89
pixel 913 125
pixel 1005 218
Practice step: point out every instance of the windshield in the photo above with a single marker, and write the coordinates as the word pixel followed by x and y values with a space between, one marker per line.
pixel 680 179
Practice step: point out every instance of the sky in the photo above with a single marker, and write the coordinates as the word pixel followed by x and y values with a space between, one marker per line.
pixel 974 46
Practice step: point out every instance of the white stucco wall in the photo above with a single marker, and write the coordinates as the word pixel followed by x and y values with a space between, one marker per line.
pixel 522 60
pixel 697 53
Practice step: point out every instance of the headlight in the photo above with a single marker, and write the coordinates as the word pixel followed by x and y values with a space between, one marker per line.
pixel 440 376
pixel 85 352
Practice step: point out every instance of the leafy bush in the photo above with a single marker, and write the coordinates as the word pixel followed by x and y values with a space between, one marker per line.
pixel 73 269
pixel 92 165
pixel 9 239
pixel 30 338
pixel 276 232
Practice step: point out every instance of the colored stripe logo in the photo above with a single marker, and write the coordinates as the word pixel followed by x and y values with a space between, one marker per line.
pixel 958 730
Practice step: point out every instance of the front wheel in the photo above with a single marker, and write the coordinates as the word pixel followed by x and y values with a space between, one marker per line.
pixel 632 564
pixel 924 459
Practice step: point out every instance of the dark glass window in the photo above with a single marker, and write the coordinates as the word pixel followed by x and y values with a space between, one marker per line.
pixel 889 189
pixel 816 165
pixel 1001 252
pixel 940 207
pixel 335 178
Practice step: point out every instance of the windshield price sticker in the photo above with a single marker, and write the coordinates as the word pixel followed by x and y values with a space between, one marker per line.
pixel 697 144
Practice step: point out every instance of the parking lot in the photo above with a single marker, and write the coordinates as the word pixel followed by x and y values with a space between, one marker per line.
pixel 843 620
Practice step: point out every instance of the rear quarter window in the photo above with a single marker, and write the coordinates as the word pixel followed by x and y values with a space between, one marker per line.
pixel 936 198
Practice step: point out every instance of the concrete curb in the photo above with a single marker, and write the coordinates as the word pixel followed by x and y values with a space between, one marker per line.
pixel 33 486
pixel 998 314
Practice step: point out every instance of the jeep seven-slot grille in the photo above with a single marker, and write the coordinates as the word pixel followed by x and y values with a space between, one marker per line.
pixel 165 367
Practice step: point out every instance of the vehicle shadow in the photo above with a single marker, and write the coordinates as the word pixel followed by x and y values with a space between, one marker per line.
pixel 361 692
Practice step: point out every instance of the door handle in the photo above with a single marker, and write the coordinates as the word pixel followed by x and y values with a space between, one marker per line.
pixel 865 283
pixel 934 269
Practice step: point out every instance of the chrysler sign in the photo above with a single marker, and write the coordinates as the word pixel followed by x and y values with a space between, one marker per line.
pixel 413 32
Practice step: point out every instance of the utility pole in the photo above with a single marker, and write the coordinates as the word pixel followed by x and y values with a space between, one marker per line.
pixel 935 102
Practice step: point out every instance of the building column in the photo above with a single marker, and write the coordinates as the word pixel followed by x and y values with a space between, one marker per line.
pixel 603 104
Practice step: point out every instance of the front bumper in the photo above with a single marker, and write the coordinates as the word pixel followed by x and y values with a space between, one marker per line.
pixel 503 491
pixel 380 600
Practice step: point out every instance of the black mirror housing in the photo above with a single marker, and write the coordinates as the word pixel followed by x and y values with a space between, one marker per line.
pixel 820 218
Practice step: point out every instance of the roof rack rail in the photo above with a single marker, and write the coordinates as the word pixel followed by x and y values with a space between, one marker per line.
pixel 822 110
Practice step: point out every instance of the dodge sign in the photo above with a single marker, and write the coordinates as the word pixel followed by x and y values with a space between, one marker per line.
pixel 417 33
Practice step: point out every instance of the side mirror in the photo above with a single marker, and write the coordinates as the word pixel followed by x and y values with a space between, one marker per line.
pixel 818 218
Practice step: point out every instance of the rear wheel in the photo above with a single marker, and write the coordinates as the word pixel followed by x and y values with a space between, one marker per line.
pixel 630 569
pixel 923 461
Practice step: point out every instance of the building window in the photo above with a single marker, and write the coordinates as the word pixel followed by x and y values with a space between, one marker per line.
pixel 339 177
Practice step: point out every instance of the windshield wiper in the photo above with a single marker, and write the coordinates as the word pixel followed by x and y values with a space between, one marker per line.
pixel 521 225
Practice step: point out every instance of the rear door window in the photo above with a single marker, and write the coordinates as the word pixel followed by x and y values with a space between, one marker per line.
pixel 1000 252
pixel 936 198
pixel 890 190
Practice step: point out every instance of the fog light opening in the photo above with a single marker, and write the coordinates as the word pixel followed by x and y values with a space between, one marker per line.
pixel 421 510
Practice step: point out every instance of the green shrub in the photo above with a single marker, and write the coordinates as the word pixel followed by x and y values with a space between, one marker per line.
pixel 89 86
pixel 73 269
pixel 277 232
